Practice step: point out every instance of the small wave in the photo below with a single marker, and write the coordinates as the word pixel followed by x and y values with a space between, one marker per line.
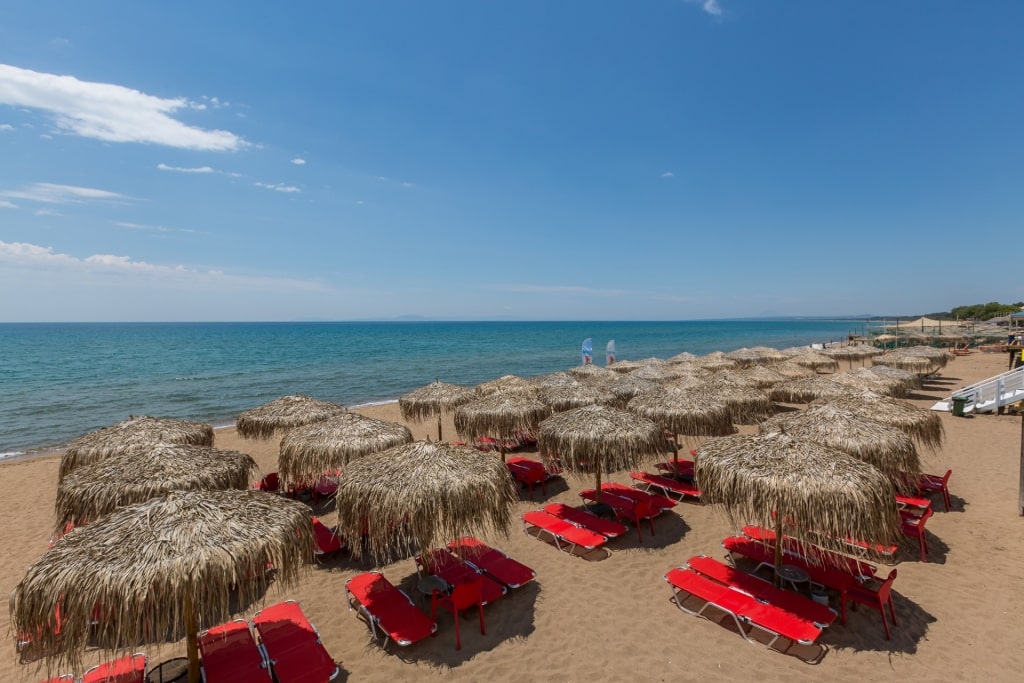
pixel 11 454
pixel 374 403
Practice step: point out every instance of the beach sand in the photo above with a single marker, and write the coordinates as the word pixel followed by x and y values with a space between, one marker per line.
pixel 610 618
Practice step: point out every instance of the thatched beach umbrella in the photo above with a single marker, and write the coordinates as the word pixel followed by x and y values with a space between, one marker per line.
pixel 887 448
pixel 92 491
pixel 799 488
pixel 131 434
pixel 760 376
pixel 908 379
pixel 421 495
pixel 716 360
pixel 919 365
pixel 591 372
pixel 555 379
pixel 807 389
pixel 684 412
pixel 862 379
pixel 747 404
pixel 506 384
pixel 924 426
pixel 309 451
pixel 500 416
pixel 816 361
pixel 434 399
pixel 758 355
pixel 595 439
pixel 284 413
pixel 626 387
pixel 160 569
pixel 569 397
pixel 790 370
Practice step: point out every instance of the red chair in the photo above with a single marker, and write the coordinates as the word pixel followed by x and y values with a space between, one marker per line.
pixel 933 483
pixel 327 540
pixel 876 599
pixel 463 596
pixel 230 655
pixel 913 527
pixel 271 483
pixel 127 669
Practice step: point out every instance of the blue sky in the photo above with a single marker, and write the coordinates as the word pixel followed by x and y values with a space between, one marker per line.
pixel 648 160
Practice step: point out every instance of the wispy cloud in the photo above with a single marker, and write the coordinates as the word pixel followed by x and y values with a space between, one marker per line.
pixel 179 169
pixel 37 257
pixel 710 6
pixel 668 174
pixel 279 187
pixel 51 193
pixel 110 112
pixel 6 126
pixel 298 161
pixel 46 212
pixel 4 204
pixel 151 228
pixel 558 289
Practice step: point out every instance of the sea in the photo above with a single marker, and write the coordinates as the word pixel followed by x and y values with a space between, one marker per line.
pixel 61 380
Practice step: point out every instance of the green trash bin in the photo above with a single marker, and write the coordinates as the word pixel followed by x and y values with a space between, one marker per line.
pixel 959 402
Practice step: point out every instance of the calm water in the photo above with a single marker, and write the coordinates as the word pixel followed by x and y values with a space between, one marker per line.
pixel 58 381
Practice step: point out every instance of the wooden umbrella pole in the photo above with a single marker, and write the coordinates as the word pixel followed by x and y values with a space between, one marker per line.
pixel 778 551
pixel 598 493
pixel 439 427
pixel 191 640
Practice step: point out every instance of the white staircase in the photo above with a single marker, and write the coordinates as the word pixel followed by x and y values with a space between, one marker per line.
pixel 989 395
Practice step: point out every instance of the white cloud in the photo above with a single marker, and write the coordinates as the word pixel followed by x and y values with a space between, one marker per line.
pixel 46 212
pixel 6 126
pixel 4 204
pixel 279 187
pixel 52 193
pixel 151 228
pixel 105 111
pixel 179 169
pixel 41 258
pixel 668 174
pixel 298 161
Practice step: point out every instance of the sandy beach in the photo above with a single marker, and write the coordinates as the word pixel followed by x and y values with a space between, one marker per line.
pixel 610 618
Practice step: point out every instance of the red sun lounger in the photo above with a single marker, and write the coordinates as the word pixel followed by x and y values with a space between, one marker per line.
pixel 493 562
pixel 562 532
pixel 389 612
pixel 327 539
pixel 794 603
pixel 230 655
pixel 666 485
pixel 293 645
pixel 586 520
pixel 454 571
pixel 743 608
pixel 127 669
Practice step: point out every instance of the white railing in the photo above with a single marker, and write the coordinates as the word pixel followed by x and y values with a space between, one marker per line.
pixel 991 394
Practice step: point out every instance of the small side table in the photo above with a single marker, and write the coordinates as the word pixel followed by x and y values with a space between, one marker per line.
pixel 429 583
pixel 793 575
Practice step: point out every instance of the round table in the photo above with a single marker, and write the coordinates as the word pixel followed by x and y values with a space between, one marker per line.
pixel 429 583
pixel 793 575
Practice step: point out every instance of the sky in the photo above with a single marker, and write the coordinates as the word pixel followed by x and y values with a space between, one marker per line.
pixel 528 160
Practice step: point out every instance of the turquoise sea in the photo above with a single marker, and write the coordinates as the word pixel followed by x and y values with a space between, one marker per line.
pixel 60 380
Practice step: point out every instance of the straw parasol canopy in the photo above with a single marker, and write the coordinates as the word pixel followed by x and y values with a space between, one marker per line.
pixel 591 372
pixel 790 370
pixel 807 491
pixel 625 388
pixel 160 569
pixel 309 451
pixel 908 379
pixel 747 404
pixel 596 439
pixel 716 360
pixel 284 413
pixel 92 491
pixel 885 447
pixel 816 361
pixel 690 413
pixel 569 397
pixel 500 416
pixel 506 384
pixel 760 376
pixel 864 380
pixel 924 426
pixel 758 355
pixel 420 495
pixel 807 389
pixel 136 432
pixel 920 365
pixel 433 400
pixel 555 379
